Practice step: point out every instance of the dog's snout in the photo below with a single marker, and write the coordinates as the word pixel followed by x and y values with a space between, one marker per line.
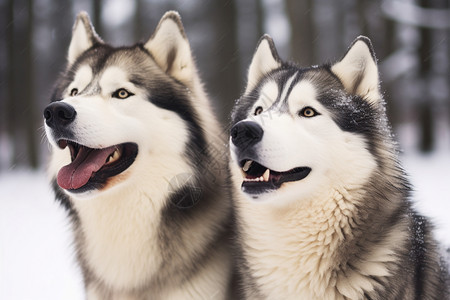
pixel 246 134
pixel 59 113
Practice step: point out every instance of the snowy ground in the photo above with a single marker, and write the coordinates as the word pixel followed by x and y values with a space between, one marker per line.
pixel 36 257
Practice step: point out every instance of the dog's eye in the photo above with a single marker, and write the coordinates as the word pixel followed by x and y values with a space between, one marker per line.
pixel 308 112
pixel 258 110
pixel 122 94
pixel 73 92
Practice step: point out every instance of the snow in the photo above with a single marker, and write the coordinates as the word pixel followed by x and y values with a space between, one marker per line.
pixel 430 180
pixel 37 259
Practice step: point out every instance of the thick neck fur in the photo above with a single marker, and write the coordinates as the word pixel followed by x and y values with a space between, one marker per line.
pixel 132 240
pixel 313 250
pixel 127 240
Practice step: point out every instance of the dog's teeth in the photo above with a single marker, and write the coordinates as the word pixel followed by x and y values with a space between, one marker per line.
pixel 247 165
pixel 113 157
pixel 257 179
pixel 266 175
pixel 116 154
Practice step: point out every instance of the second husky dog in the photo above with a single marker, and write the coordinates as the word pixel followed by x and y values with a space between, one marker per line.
pixel 134 161
pixel 322 204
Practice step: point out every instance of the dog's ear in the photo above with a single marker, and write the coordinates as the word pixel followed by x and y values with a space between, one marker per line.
pixel 264 60
pixel 170 48
pixel 358 70
pixel 83 37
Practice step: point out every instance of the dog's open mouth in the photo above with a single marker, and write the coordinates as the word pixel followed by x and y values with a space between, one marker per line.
pixel 259 179
pixel 91 168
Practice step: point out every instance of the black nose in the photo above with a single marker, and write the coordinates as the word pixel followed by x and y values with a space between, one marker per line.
pixel 246 134
pixel 59 114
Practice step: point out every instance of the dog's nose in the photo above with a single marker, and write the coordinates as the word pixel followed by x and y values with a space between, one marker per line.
pixel 59 113
pixel 246 134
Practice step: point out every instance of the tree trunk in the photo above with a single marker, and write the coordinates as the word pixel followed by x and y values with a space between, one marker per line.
pixel 225 83
pixel 388 47
pixel 10 82
pixel 97 17
pixel 259 19
pixel 300 14
pixel 138 24
pixel 361 11
pixel 425 72
pixel 30 102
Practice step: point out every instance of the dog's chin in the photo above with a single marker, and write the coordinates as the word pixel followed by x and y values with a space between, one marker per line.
pixel 94 170
pixel 258 180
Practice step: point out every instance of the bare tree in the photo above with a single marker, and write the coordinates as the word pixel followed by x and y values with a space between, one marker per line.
pixel 225 82
pixel 300 14
pixel 9 75
pixel 259 18
pixel 138 23
pixel 425 71
pixel 20 108
pixel 97 17
pixel 29 108
pixel 387 47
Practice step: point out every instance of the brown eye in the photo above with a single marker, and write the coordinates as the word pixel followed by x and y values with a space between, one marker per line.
pixel 73 92
pixel 258 110
pixel 308 112
pixel 122 94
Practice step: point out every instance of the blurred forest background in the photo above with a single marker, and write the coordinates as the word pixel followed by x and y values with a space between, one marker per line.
pixel 411 40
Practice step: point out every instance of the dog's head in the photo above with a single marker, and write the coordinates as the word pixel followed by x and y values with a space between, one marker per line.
pixel 298 133
pixel 115 106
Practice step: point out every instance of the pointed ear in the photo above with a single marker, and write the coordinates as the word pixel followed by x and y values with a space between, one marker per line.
pixel 83 37
pixel 264 60
pixel 358 70
pixel 170 48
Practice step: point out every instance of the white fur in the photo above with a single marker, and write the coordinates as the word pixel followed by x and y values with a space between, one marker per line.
pixel 269 93
pixel 116 222
pixel 359 62
pixel 170 36
pixel 292 235
pixel 285 90
pixel 79 44
pixel 126 120
pixel 82 78
pixel 294 258
pixel 119 224
pixel 263 61
pixel 83 37
pixel 292 141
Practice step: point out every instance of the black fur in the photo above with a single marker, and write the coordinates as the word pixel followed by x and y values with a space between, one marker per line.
pixel 174 99
pixel 204 196
pixel 418 271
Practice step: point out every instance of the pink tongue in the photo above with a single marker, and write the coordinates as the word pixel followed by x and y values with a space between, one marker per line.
pixel 77 173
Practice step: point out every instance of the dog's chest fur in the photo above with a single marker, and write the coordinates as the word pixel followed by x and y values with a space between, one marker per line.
pixel 119 237
pixel 296 252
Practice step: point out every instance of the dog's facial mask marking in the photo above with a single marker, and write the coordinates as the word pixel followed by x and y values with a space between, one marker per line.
pixel 95 155
pixel 278 142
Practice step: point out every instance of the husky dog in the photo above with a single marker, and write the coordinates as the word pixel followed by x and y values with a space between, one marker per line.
pixel 135 164
pixel 322 204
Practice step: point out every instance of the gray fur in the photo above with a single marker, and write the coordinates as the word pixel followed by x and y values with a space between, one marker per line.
pixel 199 208
pixel 384 201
